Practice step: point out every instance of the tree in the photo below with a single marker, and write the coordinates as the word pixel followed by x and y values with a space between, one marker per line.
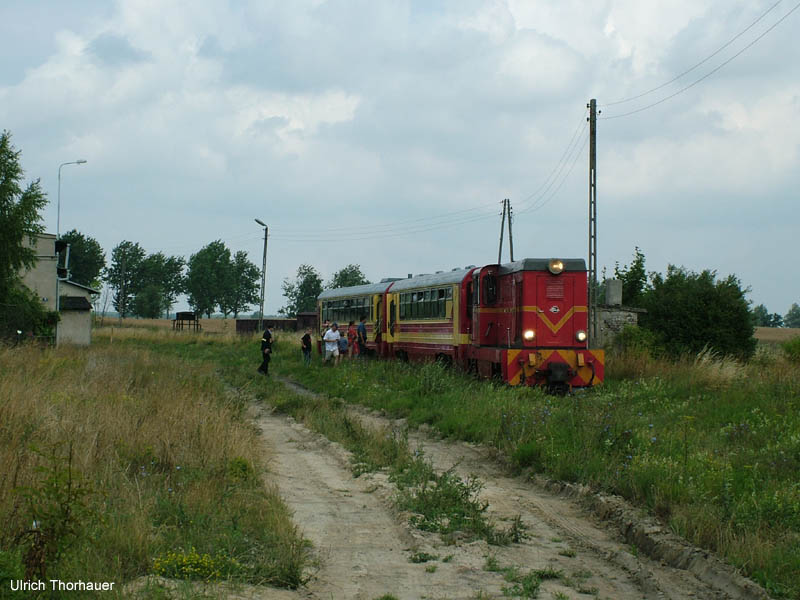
pixel 689 311
pixel 123 275
pixel 149 302
pixel 347 277
pixel 86 258
pixel 19 216
pixel 20 309
pixel 763 318
pixel 164 275
pixel 634 279
pixel 301 295
pixel 244 288
pixel 208 276
pixel 792 318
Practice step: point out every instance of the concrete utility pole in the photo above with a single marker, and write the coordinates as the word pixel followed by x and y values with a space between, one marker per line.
pixel 592 106
pixel 263 276
pixel 502 226
pixel 510 237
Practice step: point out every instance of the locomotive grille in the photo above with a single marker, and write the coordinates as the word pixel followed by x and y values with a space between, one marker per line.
pixel 555 291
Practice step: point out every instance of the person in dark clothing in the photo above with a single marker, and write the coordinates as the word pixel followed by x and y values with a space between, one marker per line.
pixel 266 351
pixel 362 336
pixel 305 345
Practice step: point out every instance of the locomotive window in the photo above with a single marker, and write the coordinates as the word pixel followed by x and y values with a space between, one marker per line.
pixel 490 289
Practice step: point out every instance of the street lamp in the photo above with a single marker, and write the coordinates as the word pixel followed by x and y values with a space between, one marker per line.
pixel 263 275
pixel 58 232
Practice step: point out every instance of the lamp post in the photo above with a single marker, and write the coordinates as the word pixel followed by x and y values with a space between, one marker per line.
pixel 58 232
pixel 263 275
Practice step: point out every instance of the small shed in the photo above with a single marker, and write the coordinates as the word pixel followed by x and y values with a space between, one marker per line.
pixel 75 307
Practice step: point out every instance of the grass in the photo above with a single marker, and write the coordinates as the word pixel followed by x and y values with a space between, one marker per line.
pixel 132 464
pixel 710 445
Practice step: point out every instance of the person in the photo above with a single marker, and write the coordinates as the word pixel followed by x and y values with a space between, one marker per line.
pixel 342 345
pixel 361 334
pixel 305 345
pixel 352 348
pixel 331 339
pixel 266 351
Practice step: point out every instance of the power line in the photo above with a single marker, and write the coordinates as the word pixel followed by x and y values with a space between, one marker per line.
pixel 707 75
pixel 706 59
pixel 547 183
pixel 552 195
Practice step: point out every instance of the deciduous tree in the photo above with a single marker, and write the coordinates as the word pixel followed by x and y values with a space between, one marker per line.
pixel 124 275
pixel 244 288
pixel 301 294
pixel 792 318
pixel 348 276
pixel 208 276
pixel 20 310
pixel 86 258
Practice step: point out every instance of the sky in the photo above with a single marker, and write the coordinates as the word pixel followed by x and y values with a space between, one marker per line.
pixel 387 134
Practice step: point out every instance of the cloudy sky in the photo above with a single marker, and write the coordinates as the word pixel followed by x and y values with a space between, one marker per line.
pixel 388 133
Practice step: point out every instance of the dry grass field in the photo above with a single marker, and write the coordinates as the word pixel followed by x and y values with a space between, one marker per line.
pixel 207 325
pixel 775 335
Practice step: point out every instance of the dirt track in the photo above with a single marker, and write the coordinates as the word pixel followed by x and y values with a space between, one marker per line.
pixel 363 547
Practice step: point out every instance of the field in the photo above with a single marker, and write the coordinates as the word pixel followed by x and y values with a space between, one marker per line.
pixel 708 445
pixel 207 325
pixel 776 334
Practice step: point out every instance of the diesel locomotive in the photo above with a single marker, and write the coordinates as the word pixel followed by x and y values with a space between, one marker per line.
pixel 525 322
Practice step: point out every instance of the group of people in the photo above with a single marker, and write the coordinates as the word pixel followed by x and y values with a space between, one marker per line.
pixel 351 343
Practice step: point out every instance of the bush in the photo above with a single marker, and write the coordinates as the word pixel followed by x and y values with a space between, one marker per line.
pixel 792 349
pixel 688 312
pixel 21 311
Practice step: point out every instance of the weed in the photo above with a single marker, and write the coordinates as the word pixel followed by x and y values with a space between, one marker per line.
pixel 448 558
pixel 569 553
pixel 430 569
pixel 491 564
pixel 422 557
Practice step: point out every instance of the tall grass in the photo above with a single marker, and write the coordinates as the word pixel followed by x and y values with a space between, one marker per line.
pixel 131 463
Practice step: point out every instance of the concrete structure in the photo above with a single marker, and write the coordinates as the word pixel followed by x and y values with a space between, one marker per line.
pixel 612 317
pixel 75 326
pixel 42 277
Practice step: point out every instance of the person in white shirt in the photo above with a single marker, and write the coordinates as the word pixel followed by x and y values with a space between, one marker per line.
pixel 331 339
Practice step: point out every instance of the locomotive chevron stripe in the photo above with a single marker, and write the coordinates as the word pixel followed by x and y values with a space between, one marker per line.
pixel 554 327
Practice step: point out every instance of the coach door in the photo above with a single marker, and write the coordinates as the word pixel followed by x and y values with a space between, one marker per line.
pixel 485 294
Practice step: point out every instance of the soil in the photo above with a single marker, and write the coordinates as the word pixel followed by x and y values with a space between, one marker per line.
pixel 363 547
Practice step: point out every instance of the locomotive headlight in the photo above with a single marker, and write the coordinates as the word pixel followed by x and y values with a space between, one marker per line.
pixel 555 266
pixel 529 334
pixel 581 336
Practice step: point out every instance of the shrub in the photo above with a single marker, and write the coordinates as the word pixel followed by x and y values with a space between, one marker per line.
pixel 689 311
pixel 792 349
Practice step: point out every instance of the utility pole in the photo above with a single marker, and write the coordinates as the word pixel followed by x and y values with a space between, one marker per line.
pixel 510 238
pixel 502 226
pixel 592 222
pixel 263 276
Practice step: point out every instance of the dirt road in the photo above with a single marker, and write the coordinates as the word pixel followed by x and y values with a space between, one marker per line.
pixel 364 549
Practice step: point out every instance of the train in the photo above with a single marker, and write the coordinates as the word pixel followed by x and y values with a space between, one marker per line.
pixel 524 322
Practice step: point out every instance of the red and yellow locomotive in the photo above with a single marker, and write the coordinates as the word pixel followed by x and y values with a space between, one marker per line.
pixel 525 321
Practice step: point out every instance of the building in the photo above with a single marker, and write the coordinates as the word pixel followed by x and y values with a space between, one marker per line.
pixel 75 306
